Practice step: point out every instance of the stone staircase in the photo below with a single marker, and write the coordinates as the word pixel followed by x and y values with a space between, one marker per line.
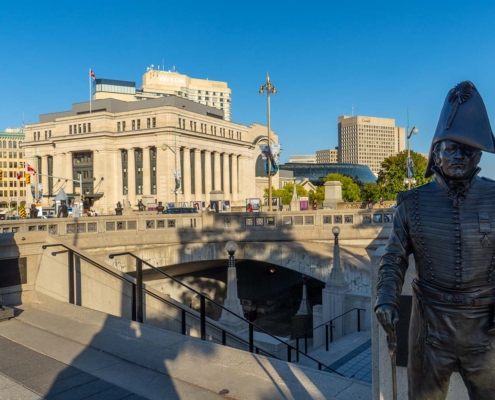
pixel 135 360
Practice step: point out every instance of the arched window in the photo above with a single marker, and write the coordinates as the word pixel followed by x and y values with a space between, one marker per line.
pixel 10 144
pixel 15 144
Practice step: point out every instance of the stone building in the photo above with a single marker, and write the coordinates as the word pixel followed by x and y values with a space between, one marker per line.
pixel 329 156
pixel 369 140
pixel 12 189
pixel 157 83
pixel 127 150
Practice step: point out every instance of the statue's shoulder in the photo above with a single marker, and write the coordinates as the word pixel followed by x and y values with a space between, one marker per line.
pixel 488 181
pixel 403 196
pixel 406 194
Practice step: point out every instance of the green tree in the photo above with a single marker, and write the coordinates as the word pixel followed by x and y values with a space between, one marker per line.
pixel 394 171
pixel 319 195
pixel 350 189
pixel 371 190
pixel 286 192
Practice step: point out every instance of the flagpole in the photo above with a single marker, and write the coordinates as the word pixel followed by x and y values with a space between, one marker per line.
pixel 90 96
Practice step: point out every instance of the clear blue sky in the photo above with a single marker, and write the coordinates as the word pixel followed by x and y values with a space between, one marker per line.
pixel 324 56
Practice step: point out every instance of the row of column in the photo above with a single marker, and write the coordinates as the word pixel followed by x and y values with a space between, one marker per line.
pixel 166 184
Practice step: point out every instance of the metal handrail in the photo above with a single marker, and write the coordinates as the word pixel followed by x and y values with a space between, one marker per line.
pixel 139 261
pixel 134 282
pixel 331 326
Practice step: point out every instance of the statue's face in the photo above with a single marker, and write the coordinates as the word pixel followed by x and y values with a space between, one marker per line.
pixel 457 161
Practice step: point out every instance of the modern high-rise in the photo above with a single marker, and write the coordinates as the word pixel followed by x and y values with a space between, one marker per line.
pixel 158 83
pixel 369 140
pixel 329 156
pixel 12 189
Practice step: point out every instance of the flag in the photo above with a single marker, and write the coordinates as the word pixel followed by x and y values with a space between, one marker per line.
pixel 18 175
pixel 92 74
pixel 30 169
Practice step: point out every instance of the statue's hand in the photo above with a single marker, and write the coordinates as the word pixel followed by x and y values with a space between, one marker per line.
pixel 388 316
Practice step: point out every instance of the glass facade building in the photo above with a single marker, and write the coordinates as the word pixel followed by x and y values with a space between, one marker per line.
pixel 317 172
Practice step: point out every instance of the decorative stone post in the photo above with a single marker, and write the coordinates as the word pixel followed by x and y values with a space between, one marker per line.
pixel 333 296
pixel 333 194
pixel 232 301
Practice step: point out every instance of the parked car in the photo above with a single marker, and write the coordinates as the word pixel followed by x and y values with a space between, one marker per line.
pixel 181 210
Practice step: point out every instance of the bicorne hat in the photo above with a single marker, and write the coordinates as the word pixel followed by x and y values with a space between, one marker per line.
pixel 463 120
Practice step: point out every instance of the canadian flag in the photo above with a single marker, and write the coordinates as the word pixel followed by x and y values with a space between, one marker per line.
pixel 92 74
pixel 18 175
pixel 30 169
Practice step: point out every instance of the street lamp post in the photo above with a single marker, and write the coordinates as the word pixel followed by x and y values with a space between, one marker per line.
pixel 270 89
pixel 410 179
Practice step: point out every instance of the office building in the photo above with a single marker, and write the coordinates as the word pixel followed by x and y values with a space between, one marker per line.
pixel 156 83
pixel 329 156
pixel 307 159
pixel 369 140
pixel 125 151
pixel 12 189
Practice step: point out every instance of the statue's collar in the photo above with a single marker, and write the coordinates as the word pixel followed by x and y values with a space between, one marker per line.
pixel 456 190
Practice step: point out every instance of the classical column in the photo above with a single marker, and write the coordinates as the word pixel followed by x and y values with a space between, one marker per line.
pixel 226 177
pixel 186 153
pixel 207 167
pixel 44 179
pixel 235 179
pixel 131 177
pixel 197 175
pixel 146 171
pixel 217 173
pixel 68 172
pixel 164 176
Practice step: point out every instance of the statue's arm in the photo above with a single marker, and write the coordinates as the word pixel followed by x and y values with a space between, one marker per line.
pixel 393 267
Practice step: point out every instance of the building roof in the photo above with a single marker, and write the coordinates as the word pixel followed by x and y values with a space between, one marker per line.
pixel 317 172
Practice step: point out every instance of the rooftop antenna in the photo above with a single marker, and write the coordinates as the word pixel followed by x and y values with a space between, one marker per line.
pixel 352 111
pixel 163 64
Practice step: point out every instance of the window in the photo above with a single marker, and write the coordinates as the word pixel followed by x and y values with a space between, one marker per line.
pixel 123 125
pixel 70 129
pixel 154 122
pixel 133 124
pixel 194 126
pixel 190 125
pixel 84 128
pixel 139 124
pixel 79 128
pixel 148 122
pixel 118 126
pixel 89 127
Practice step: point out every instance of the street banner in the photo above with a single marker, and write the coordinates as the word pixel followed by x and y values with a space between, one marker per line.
pixel 177 176
pixel 33 190
pixel 40 190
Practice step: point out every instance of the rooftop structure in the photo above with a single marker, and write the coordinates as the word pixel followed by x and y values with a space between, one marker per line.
pixel 156 84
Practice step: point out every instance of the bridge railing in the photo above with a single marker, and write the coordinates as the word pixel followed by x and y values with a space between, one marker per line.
pixel 137 312
pixel 170 223
pixel 329 326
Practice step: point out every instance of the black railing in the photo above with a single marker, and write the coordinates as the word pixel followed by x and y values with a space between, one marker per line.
pixel 137 312
pixel 329 326
pixel 203 298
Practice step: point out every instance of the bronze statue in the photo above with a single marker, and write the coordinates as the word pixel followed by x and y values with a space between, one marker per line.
pixel 141 206
pixel 63 211
pixel 447 225
pixel 33 211
pixel 160 208
pixel 118 209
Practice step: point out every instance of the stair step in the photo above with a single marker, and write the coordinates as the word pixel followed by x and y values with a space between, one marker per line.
pixel 135 356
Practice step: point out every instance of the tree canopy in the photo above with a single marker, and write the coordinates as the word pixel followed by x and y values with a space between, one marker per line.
pixel 286 192
pixel 394 171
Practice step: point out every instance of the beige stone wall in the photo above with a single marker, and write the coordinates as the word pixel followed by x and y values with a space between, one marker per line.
pixel 236 144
